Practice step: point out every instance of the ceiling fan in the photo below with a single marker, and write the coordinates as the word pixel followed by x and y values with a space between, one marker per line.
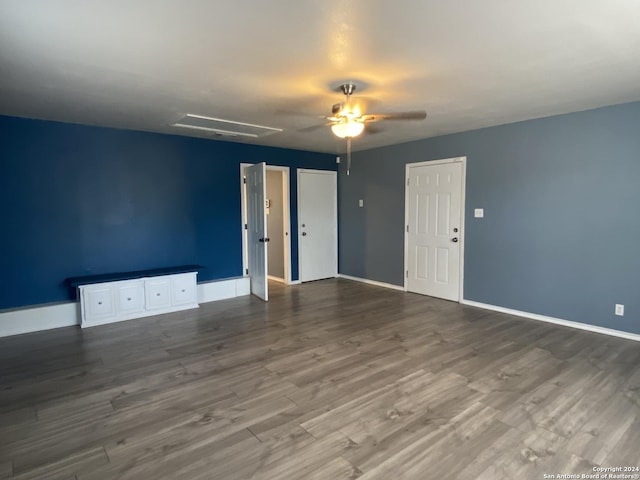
pixel 348 122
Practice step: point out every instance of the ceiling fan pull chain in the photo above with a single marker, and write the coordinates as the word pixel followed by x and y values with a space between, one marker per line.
pixel 348 155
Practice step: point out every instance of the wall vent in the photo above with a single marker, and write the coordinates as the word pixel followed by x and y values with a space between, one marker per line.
pixel 227 128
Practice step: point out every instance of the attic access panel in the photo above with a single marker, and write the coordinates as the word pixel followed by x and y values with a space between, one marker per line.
pixel 225 127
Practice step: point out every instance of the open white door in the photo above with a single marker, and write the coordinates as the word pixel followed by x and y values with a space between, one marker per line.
pixel 257 230
pixel 317 224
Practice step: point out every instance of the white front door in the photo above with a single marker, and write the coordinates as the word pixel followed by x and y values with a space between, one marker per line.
pixel 257 230
pixel 434 223
pixel 317 224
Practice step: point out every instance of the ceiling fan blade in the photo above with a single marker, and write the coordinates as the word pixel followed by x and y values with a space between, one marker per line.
pixel 377 117
pixel 371 129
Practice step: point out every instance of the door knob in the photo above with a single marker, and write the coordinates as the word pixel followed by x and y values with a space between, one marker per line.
pixel 304 234
pixel 264 240
pixel 454 239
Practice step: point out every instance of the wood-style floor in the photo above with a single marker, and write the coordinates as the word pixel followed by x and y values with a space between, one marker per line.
pixel 329 380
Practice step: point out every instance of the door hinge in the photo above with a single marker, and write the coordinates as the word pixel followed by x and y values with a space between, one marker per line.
pixel 408 182
pixel 244 180
pixel 406 274
pixel 246 226
pixel 246 271
pixel 407 228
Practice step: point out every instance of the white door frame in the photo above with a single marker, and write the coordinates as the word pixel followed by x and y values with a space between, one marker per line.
pixel 286 217
pixel 335 203
pixel 463 161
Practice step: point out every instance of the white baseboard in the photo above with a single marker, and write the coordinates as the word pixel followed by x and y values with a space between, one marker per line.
pixel 243 286
pixel 556 321
pixel 26 320
pixel 35 319
pixel 148 313
pixel 294 282
pixel 372 282
pixel 223 289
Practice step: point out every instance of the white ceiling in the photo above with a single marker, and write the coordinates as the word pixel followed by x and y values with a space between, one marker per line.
pixel 469 63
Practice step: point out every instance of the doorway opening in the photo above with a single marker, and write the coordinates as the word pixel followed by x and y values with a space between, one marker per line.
pixel 277 211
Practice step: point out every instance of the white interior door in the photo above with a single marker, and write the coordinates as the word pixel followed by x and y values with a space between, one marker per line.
pixel 434 222
pixel 317 224
pixel 257 230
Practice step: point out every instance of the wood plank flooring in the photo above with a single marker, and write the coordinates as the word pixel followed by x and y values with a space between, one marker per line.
pixel 329 380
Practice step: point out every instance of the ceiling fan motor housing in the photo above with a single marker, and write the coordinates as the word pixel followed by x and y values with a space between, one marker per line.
pixel 348 88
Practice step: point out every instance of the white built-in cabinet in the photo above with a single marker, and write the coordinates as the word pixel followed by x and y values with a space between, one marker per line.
pixel 109 302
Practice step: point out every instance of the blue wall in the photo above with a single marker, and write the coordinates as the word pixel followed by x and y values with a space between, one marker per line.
pixel 561 227
pixel 82 200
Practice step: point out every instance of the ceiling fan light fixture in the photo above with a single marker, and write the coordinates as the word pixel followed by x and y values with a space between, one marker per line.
pixel 348 129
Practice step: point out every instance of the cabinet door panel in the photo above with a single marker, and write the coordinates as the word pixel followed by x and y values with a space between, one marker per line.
pixel 130 297
pixel 184 289
pixel 157 292
pixel 98 302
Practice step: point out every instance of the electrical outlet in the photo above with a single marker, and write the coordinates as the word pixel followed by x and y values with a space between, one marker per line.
pixel 619 310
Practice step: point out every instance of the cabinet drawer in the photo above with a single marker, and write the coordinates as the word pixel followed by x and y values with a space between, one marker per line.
pixel 98 302
pixel 157 292
pixel 130 297
pixel 184 289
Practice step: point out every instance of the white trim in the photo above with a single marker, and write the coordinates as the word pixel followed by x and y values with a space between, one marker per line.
pixel 461 236
pixel 243 220
pixel 295 282
pixel 47 317
pixel 147 313
pixel 335 206
pixel 26 320
pixel 463 225
pixel 243 287
pixel 372 282
pixel 276 279
pixel 556 321
pixel 223 289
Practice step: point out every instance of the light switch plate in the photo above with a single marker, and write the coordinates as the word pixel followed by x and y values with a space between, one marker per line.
pixel 361 203
pixel 478 213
